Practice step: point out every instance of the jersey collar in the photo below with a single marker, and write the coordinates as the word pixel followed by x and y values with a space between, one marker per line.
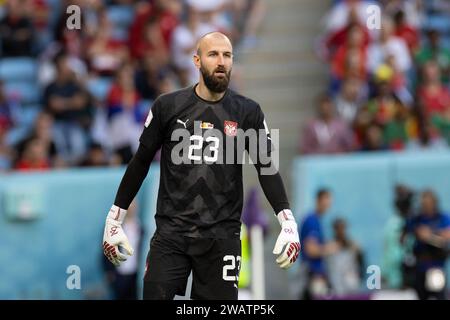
pixel 207 101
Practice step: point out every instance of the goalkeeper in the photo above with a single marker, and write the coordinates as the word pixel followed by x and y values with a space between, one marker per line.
pixel 200 198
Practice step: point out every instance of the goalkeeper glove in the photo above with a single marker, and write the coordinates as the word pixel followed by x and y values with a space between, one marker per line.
pixel 288 239
pixel 114 237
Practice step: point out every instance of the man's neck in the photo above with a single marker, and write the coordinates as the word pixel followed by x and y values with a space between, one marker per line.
pixel 203 92
pixel 319 212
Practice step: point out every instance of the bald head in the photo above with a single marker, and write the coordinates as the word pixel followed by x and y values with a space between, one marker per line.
pixel 211 39
pixel 214 60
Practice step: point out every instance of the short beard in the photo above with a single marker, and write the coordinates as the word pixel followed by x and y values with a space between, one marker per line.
pixel 213 83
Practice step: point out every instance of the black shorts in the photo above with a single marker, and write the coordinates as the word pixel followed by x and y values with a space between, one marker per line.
pixel 215 265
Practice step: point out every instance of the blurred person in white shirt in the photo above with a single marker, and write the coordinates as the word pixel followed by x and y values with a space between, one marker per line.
pixel 184 41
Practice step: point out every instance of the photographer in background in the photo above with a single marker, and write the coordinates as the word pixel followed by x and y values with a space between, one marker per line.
pixel 431 228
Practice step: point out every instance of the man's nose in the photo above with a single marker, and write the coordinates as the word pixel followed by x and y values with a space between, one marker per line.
pixel 220 61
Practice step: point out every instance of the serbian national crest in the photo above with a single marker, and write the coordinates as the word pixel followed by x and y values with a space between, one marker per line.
pixel 230 128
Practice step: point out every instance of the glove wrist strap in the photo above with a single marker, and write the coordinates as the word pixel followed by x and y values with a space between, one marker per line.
pixel 117 214
pixel 285 215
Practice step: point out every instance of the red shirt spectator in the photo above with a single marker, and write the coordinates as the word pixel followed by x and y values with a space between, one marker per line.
pixel 339 37
pixel 34 157
pixel 167 21
pixel 351 57
pixel 408 33
pixel 432 94
pixel 435 99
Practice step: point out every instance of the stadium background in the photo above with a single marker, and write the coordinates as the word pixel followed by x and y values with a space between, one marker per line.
pixel 59 171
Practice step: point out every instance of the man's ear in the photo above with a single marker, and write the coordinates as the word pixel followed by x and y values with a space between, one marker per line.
pixel 196 59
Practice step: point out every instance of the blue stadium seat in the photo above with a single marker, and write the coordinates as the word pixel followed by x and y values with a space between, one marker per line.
pixel 29 114
pixel 26 92
pixel 120 15
pixel 446 42
pixel 18 69
pixel 99 87
pixel 16 135
pixel 438 22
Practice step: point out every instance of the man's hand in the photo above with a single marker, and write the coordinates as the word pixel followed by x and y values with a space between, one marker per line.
pixel 288 239
pixel 114 237
pixel 424 233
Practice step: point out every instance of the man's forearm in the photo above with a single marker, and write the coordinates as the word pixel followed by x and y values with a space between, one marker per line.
pixel 274 190
pixel 134 176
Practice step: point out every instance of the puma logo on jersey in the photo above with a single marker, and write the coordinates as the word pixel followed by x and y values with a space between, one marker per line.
pixel 183 123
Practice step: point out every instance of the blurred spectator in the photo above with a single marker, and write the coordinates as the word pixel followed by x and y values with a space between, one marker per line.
pixel 389 45
pixel 399 82
pixel 327 133
pixel 413 10
pixel 70 105
pixel 434 50
pixel 351 98
pixel 35 156
pixel 166 82
pixel 351 57
pixel 16 30
pixel 399 129
pixel 95 157
pixel 442 124
pixel 5 151
pixel 373 139
pixel 384 104
pixel 153 43
pixel 338 16
pixel 339 37
pixel 123 279
pixel 153 27
pixel 146 78
pixel 431 228
pixel 405 31
pixel 106 54
pixel 43 130
pixel 397 262
pixel 346 266
pixel 8 109
pixel 316 282
pixel 432 93
pixel 428 138
pixel 124 117
pixel 184 41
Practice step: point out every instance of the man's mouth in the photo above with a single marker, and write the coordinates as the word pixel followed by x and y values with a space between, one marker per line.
pixel 220 74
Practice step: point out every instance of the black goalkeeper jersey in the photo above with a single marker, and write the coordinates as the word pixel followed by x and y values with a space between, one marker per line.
pixel 200 192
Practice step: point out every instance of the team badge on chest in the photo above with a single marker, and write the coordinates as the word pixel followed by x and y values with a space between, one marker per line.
pixel 230 128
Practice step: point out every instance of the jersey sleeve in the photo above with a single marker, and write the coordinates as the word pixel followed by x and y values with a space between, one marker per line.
pixel 310 231
pixel 445 222
pixel 264 139
pixel 262 157
pixel 152 136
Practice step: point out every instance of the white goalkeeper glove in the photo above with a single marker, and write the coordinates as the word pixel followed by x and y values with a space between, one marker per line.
pixel 288 239
pixel 114 237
